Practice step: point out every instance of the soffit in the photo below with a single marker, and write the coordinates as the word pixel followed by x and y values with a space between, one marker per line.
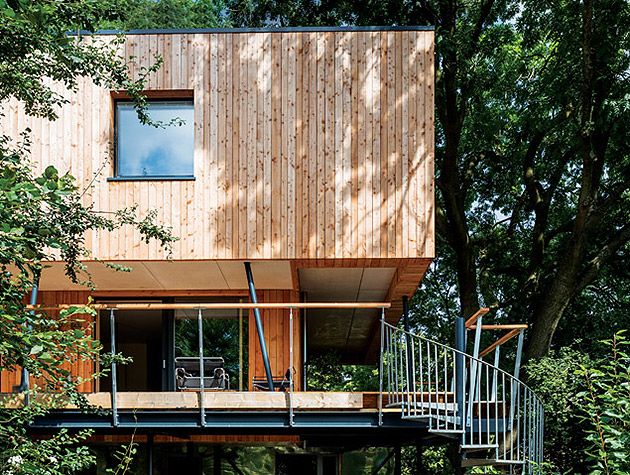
pixel 173 275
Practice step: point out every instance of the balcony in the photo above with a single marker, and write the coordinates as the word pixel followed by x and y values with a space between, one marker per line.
pixel 426 389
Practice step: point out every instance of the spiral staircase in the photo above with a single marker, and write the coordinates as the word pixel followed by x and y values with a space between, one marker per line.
pixel 495 418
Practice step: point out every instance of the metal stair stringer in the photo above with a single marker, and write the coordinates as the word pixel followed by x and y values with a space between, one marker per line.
pixel 497 419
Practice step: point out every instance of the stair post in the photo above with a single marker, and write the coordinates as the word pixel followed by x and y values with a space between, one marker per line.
pixel 460 346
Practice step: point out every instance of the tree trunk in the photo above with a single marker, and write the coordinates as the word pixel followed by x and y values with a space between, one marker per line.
pixel 546 318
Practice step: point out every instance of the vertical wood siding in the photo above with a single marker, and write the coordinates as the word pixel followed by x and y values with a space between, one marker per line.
pixel 307 145
pixel 276 328
pixel 84 369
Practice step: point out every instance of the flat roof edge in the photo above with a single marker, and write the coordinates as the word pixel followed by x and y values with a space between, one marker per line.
pixel 303 29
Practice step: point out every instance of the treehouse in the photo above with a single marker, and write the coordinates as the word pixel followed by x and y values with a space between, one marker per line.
pixel 296 168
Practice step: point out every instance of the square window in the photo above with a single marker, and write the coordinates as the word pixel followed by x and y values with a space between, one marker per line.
pixel 149 152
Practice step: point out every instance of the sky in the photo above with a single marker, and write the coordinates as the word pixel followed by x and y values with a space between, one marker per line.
pixel 145 150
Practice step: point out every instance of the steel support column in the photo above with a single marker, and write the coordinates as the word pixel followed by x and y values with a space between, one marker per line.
pixel 259 327
pixel 460 346
pixel 150 453
pixel 25 383
pixel 408 350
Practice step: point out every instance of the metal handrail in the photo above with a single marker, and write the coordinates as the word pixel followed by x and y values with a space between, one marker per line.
pixel 495 414
pixel 216 306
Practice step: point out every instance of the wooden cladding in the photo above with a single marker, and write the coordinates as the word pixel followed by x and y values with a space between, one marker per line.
pixel 308 145
pixel 9 380
pixel 276 327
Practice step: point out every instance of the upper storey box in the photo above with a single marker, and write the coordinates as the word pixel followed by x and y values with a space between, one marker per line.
pixel 295 144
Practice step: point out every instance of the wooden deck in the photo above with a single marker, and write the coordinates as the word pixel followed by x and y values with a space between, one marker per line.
pixel 229 400
pixel 217 400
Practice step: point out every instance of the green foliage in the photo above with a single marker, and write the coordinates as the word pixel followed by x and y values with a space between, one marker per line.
pixel 434 461
pixel 587 407
pixel 43 216
pixel 553 379
pixel 36 52
pixel 124 457
pixel 146 14
pixel 606 406
pixel 326 373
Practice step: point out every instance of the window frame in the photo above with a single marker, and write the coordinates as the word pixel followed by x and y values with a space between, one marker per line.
pixel 181 96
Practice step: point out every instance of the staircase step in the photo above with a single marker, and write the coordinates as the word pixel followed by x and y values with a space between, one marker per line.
pixel 486 462
pixel 446 431
pixel 479 446
pixel 478 462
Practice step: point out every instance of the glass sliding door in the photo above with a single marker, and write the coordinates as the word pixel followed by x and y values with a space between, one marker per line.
pixel 225 336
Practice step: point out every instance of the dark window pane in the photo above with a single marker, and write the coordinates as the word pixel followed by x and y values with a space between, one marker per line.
pixel 145 151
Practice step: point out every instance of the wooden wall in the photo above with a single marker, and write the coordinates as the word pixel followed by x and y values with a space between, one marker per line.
pixel 85 369
pixel 276 329
pixel 307 145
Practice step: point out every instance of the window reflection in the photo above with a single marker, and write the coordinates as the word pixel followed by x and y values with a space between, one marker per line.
pixel 148 151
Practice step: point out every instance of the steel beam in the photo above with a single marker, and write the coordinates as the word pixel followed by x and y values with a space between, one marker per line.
pixel 259 327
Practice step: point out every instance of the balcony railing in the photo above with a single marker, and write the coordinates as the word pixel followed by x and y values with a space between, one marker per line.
pixel 200 308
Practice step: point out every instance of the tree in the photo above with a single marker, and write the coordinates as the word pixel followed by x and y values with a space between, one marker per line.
pixel 147 14
pixel 43 217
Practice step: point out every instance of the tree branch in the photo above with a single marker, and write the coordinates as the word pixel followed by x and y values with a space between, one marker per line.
pixel 604 255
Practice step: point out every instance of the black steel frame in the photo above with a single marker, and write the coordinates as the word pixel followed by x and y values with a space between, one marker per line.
pixel 289 29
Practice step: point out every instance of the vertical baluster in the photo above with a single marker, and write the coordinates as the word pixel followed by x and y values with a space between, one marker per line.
pixel 114 375
pixel 413 374
pixel 429 385
pixel 404 371
pixel 380 370
pixel 496 415
pixel 291 367
pixel 396 360
pixel 503 424
pixel 526 412
pixel 455 382
pixel 202 411
pixel 406 375
pixel 390 377
pixel 541 431
pixel 478 392
pixel 437 385
pixel 497 353
pixel 446 404
pixel 421 364
pixel 519 420
pixel 487 406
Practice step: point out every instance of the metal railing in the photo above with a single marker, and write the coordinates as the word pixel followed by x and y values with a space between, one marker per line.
pixel 112 308
pixel 497 418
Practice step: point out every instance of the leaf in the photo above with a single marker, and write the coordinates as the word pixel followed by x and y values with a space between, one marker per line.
pixel 50 172
pixel 36 349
